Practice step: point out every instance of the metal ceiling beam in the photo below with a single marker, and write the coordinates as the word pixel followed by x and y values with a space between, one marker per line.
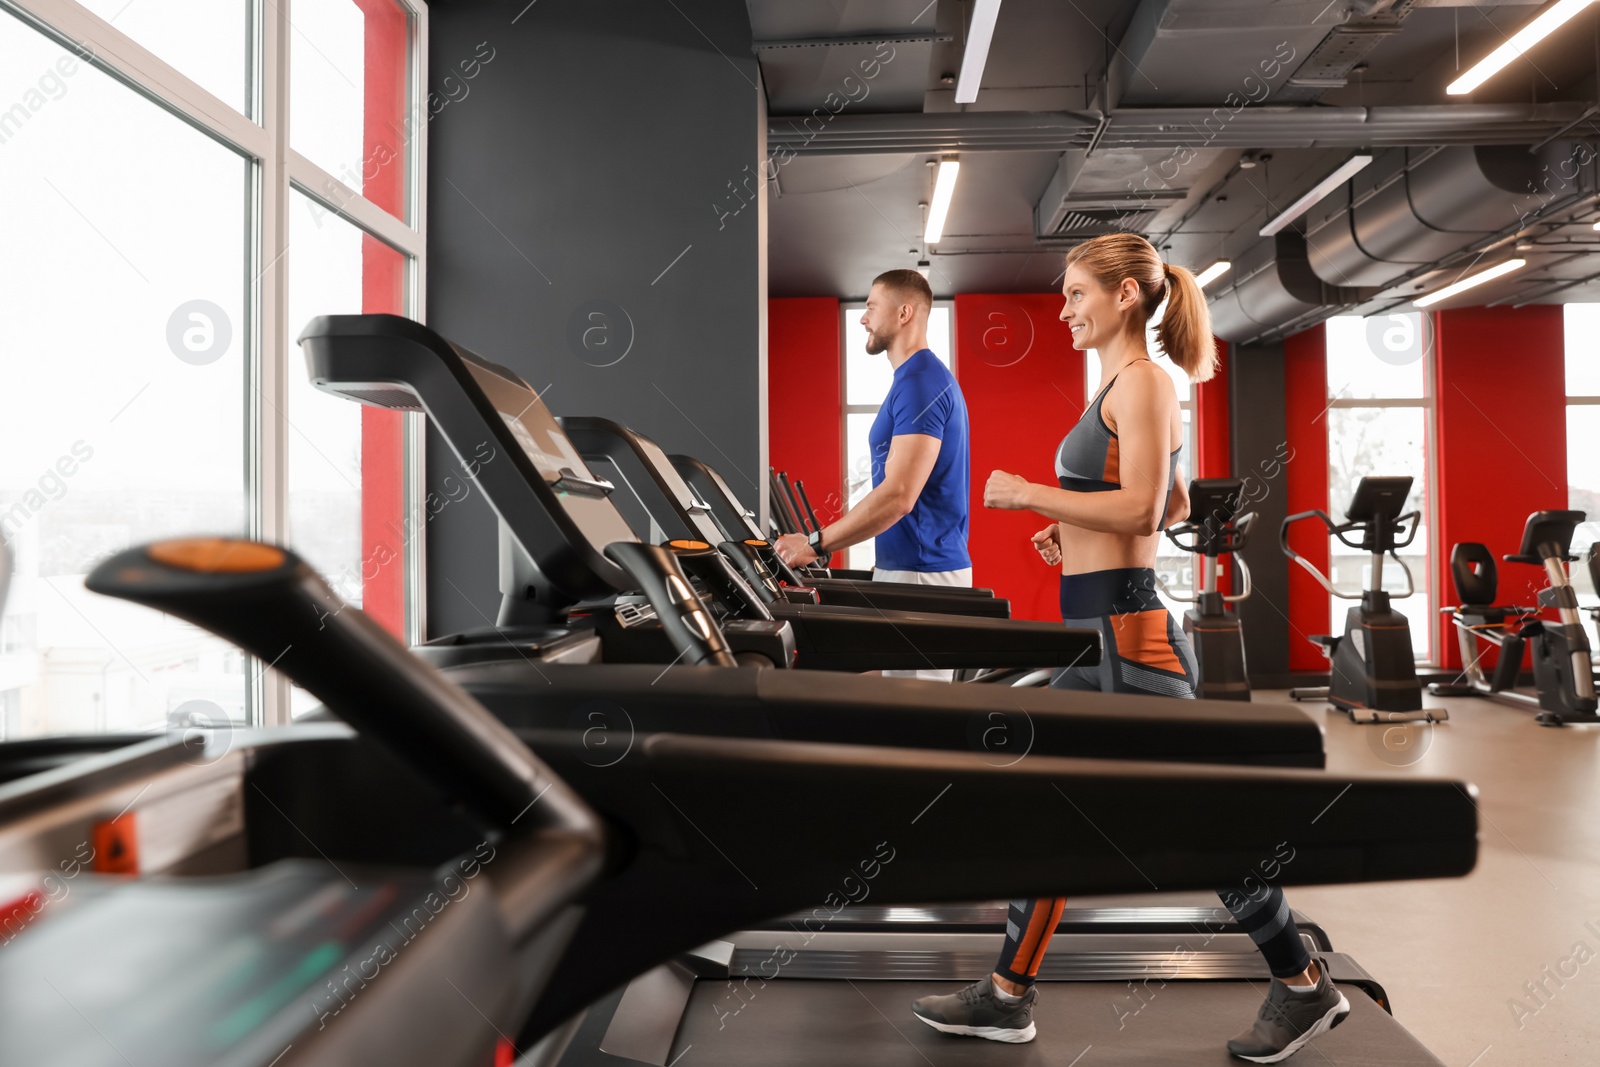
pixel 1176 128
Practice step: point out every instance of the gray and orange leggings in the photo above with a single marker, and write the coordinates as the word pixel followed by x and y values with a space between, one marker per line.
pixel 1144 652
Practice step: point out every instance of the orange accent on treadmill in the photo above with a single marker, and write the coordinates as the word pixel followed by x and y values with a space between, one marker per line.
pixel 217 555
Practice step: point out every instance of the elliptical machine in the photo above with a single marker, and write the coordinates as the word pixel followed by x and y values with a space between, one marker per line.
pixel 1372 674
pixel 1214 530
pixel 1562 674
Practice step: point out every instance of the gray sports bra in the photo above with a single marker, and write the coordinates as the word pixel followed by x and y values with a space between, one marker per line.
pixel 1088 459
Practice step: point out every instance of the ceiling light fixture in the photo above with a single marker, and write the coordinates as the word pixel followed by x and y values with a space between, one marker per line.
pixel 1517 44
pixel 1322 189
pixel 984 14
pixel 1213 272
pixel 944 187
pixel 1468 282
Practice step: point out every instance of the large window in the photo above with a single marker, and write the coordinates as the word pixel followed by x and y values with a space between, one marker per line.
pixel 1583 436
pixel 1380 408
pixel 866 382
pixel 155 267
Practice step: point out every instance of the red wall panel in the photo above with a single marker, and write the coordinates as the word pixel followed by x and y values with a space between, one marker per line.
pixel 383 594
pixel 1213 442
pixel 1023 383
pixel 1501 425
pixel 1305 395
pixel 805 399
pixel 1212 439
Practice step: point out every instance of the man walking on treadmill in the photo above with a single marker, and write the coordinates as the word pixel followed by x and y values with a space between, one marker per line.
pixel 917 509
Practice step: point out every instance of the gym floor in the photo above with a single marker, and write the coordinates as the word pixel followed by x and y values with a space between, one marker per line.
pixel 1454 955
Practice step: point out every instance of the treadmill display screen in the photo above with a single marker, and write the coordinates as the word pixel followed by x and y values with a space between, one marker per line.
pixel 737 506
pixel 694 509
pixel 223 970
pixel 554 456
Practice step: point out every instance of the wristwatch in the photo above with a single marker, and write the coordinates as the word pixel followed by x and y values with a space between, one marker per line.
pixel 815 541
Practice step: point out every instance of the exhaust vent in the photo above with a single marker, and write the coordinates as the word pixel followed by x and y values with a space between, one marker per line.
pixel 1090 222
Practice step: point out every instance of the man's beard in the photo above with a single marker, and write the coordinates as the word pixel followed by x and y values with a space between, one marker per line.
pixel 876 345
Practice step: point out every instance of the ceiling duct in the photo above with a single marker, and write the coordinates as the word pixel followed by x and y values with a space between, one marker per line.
pixel 1093 221
pixel 1330 64
pixel 1416 206
pixel 1274 285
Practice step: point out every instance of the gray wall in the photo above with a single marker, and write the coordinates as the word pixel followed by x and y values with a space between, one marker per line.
pixel 602 141
pixel 1256 385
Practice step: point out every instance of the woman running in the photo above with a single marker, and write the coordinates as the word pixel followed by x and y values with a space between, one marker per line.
pixel 1117 470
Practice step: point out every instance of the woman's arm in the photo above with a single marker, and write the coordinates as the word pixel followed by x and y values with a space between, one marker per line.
pixel 1178 503
pixel 1144 407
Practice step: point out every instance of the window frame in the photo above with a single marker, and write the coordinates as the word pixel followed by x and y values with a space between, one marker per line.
pixel 275 169
pixel 1430 438
pixel 1575 400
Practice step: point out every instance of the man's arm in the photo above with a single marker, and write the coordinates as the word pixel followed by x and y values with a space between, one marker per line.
pixel 905 471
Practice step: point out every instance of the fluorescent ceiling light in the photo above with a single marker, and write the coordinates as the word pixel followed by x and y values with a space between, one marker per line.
pixel 984 14
pixel 944 187
pixel 1469 281
pixel 1322 189
pixel 1213 272
pixel 1516 45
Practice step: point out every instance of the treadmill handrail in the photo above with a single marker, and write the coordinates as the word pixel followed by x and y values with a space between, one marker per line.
pixel 272 604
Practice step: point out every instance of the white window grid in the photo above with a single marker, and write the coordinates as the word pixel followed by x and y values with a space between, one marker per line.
pixel 271 355
pixel 1427 583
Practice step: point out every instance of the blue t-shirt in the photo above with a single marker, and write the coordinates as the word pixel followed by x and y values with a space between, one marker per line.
pixel 925 399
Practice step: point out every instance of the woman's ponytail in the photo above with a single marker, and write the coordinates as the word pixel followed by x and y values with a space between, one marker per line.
pixel 1185 329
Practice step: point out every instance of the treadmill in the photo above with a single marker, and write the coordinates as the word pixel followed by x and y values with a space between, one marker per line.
pixel 702 836
pixel 570 547
pixel 737 522
pixel 659 502
pixel 797 516
pixel 372 355
pixel 552 505
pixel 240 942
pixel 654 495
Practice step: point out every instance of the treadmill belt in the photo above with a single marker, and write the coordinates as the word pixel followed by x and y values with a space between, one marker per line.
pixel 1088 1024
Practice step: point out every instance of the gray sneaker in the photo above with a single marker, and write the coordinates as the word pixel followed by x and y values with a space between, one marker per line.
pixel 1289 1020
pixel 976 1012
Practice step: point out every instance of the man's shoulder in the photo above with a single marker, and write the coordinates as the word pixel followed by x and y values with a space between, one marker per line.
pixel 926 376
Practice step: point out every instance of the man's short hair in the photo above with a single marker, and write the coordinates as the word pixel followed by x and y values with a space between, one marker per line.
pixel 907 285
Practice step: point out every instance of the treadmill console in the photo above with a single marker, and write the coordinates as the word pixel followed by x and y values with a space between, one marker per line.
pixel 236 969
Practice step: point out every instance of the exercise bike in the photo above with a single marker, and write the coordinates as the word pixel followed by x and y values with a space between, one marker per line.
pixel 1215 529
pixel 1562 674
pixel 1372 673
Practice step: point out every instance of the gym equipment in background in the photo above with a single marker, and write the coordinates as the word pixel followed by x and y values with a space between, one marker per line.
pixel 1372 674
pixel 1562 673
pixel 1215 529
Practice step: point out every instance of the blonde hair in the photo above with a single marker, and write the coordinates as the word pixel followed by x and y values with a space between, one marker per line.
pixel 1184 332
